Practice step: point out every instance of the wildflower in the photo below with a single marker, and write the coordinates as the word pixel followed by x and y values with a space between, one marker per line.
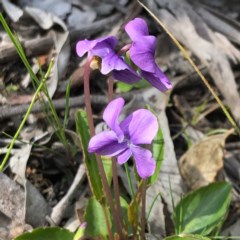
pixel 142 52
pixel 123 140
pixel 110 61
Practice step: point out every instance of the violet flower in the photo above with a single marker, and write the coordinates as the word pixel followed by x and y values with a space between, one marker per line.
pixel 124 139
pixel 142 53
pixel 110 61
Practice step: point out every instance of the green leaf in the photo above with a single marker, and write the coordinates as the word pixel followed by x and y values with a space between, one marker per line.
pixel 80 232
pixel 158 152
pixel 187 237
pixel 47 234
pixel 202 210
pixel 107 165
pixel 124 87
pixel 124 205
pixel 95 218
pixel 67 109
pixel 89 159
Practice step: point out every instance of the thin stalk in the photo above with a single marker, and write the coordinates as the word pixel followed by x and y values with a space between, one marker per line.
pixel 152 204
pixel 87 98
pixel 116 191
pixel 114 166
pixel 186 55
pixel 133 197
pixel 130 184
pixel 110 89
pixel 99 160
pixel 107 223
pixel 26 116
pixel 143 216
pixel 19 49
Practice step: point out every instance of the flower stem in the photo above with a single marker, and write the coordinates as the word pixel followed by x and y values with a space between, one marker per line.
pixel 107 223
pixel 110 89
pixel 143 217
pixel 116 191
pixel 99 160
pixel 87 98
pixel 114 166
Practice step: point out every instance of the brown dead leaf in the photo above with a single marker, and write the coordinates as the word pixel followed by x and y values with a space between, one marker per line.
pixel 12 212
pixel 201 164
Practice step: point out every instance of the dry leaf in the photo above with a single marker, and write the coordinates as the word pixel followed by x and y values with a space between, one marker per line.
pixel 12 211
pixel 201 164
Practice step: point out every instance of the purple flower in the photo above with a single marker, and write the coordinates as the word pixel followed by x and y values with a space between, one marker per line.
pixel 142 53
pixel 111 62
pixel 123 140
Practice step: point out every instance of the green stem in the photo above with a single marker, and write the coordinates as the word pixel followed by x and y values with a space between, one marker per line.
pixel 19 49
pixel 25 117
pixel 130 184
pixel 152 204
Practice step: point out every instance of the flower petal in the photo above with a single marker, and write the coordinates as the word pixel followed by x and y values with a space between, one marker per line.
pixel 114 62
pixel 136 28
pixel 124 156
pixel 106 143
pixel 142 53
pixel 111 114
pixel 140 127
pixel 84 46
pixel 104 47
pixel 99 47
pixel 145 163
pixel 127 76
pixel 158 79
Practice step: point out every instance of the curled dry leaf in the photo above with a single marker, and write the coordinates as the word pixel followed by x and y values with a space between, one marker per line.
pixel 201 164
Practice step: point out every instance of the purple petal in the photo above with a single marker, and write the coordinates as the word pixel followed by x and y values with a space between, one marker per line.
pixel 113 62
pixel 103 48
pixel 136 29
pixel 84 46
pixel 106 144
pixel 111 114
pixel 127 76
pixel 99 47
pixel 158 79
pixel 140 127
pixel 121 71
pixel 142 53
pixel 145 163
pixel 124 156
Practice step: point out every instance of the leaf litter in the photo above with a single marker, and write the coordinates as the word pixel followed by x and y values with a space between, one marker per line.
pixel 54 180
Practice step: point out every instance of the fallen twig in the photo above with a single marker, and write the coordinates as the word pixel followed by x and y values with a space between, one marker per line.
pixel 59 104
pixel 34 47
